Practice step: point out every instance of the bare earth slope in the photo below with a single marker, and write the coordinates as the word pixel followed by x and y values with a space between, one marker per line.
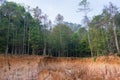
pixel 49 68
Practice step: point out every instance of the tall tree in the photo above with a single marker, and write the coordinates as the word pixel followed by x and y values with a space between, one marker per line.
pixel 13 20
pixel 114 10
pixel 60 38
pixel 59 19
pixel 111 11
pixel 84 7
pixel 45 26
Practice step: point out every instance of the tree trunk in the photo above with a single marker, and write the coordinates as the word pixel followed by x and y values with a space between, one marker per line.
pixel 7 45
pixel 23 48
pixel 13 44
pixel 28 47
pixel 89 43
pixel 33 51
pixel 49 52
pixel 115 36
pixel 44 50
pixel 59 53
pixel 28 41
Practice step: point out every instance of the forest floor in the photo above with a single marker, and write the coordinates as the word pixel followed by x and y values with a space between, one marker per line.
pixel 51 68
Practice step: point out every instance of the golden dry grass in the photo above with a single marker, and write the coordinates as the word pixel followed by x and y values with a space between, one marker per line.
pixel 50 68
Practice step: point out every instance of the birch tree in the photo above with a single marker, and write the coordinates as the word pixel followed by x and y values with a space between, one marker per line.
pixel 84 7
pixel 111 11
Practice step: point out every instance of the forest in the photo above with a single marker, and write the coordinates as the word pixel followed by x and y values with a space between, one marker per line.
pixel 26 30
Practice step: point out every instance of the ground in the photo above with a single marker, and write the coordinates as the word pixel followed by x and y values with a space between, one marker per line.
pixel 50 68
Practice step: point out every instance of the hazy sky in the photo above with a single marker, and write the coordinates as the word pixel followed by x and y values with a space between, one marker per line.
pixel 67 8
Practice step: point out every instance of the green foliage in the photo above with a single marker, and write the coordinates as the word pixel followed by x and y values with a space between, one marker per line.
pixel 36 36
pixel 15 26
pixel 22 33
pixel 60 38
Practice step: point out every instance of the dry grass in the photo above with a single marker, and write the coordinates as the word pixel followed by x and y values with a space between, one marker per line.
pixel 49 68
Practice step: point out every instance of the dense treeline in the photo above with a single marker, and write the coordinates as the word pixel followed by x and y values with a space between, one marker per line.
pixel 23 33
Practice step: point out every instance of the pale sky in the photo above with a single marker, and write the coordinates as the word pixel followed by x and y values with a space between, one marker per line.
pixel 67 8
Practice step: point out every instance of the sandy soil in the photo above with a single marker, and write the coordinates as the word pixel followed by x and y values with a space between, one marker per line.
pixel 49 68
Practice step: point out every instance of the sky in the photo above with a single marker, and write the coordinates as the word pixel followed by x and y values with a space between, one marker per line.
pixel 67 8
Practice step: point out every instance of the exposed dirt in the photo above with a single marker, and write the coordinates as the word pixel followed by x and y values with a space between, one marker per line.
pixel 49 68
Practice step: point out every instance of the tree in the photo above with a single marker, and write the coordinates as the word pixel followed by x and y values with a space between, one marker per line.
pixel 59 19
pixel 113 11
pixel 43 20
pixel 83 48
pixel 84 7
pixel 60 38
pixel 35 37
pixel 97 28
pixel 8 12
pixel 110 12
pixel 16 27
pixel 45 26
pixel 74 45
pixel 37 13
